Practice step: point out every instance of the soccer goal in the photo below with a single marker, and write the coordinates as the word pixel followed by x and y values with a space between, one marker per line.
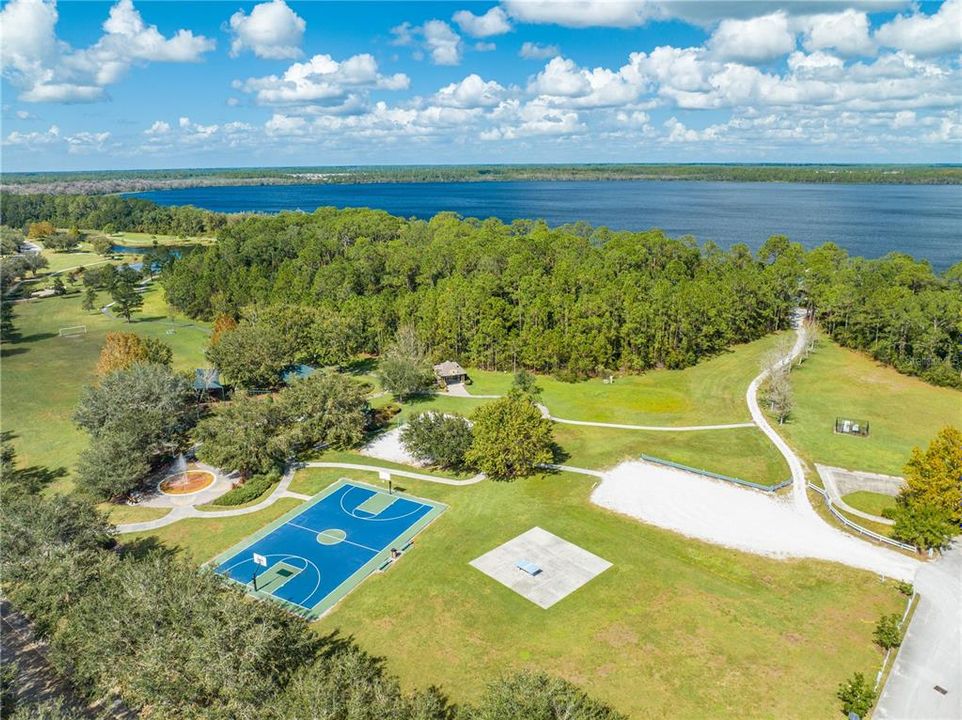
pixel 848 426
pixel 73 331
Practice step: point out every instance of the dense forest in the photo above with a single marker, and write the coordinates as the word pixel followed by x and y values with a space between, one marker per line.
pixel 107 212
pixel 573 300
pixel 109 181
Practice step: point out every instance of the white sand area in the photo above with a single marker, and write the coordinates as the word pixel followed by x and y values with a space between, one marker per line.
pixel 388 446
pixel 740 518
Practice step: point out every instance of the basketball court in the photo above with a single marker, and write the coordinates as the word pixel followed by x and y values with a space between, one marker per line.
pixel 313 556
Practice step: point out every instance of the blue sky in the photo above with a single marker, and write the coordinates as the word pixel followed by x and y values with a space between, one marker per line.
pixel 91 85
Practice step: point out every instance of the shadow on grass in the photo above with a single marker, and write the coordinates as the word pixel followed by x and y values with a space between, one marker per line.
pixel 147 546
pixel 36 337
pixel 11 351
pixel 361 366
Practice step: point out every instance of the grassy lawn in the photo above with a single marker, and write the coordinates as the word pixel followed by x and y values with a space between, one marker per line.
pixel 120 514
pixel 903 412
pixel 676 628
pixel 148 239
pixel 43 373
pixel 708 393
pixel 64 260
pixel 742 452
pixel 200 539
pixel 870 502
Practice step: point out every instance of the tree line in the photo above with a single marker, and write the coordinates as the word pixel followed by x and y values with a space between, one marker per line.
pixel 133 623
pixel 572 301
pixel 108 213
pixel 107 181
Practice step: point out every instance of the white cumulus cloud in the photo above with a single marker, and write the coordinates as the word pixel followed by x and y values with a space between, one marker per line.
pixel 755 40
pixel 535 51
pixel 472 92
pixel 322 79
pixel 493 22
pixel 272 31
pixel 845 32
pixel 46 69
pixel 924 34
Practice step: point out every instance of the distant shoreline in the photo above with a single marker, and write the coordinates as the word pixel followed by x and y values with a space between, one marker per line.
pixel 132 181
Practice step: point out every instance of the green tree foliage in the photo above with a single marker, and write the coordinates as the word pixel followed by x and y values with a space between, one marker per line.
pixel 494 295
pixel 8 688
pixel 56 709
pixel 103 245
pixel 934 476
pixel 136 418
pixel 857 695
pixel 34 262
pixel 89 302
pixel 109 212
pixel 405 370
pixel 101 277
pixel 511 438
pixel 895 308
pixel 537 696
pixel 61 242
pixel 888 633
pixel 437 438
pixel 326 408
pixel 923 525
pixel 244 436
pixel 929 508
pixel 348 683
pixel 252 355
pixel 526 383
pixel 11 240
pixel 126 299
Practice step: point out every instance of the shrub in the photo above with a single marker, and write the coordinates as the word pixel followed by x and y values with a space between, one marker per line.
pixel 381 417
pixel 888 634
pixel 256 486
pixel 857 695
pixel 439 439
pixel 906 588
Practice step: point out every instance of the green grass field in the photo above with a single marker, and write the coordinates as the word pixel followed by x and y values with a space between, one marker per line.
pixel 43 373
pixel 709 393
pixel 903 412
pixel 676 628
pixel 870 502
pixel 742 452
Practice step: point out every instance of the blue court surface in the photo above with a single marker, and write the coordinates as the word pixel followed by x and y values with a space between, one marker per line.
pixel 317 554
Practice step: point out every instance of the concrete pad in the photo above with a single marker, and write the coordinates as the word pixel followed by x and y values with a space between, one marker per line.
pixel 565 567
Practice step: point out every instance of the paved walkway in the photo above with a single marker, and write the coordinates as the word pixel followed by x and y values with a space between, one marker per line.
pixel 189 510
pixel 931 652
pixel 827 474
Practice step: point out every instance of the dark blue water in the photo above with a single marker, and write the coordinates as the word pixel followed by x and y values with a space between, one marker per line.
pixel 141 249
pixel 869 220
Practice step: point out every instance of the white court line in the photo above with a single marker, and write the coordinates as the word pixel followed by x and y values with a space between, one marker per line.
pixel 321 532
pixel 378 519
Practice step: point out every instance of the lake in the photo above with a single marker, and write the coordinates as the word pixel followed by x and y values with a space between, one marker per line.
pixel 868 220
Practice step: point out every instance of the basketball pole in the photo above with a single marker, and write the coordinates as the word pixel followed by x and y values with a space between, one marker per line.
pixel 255 581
